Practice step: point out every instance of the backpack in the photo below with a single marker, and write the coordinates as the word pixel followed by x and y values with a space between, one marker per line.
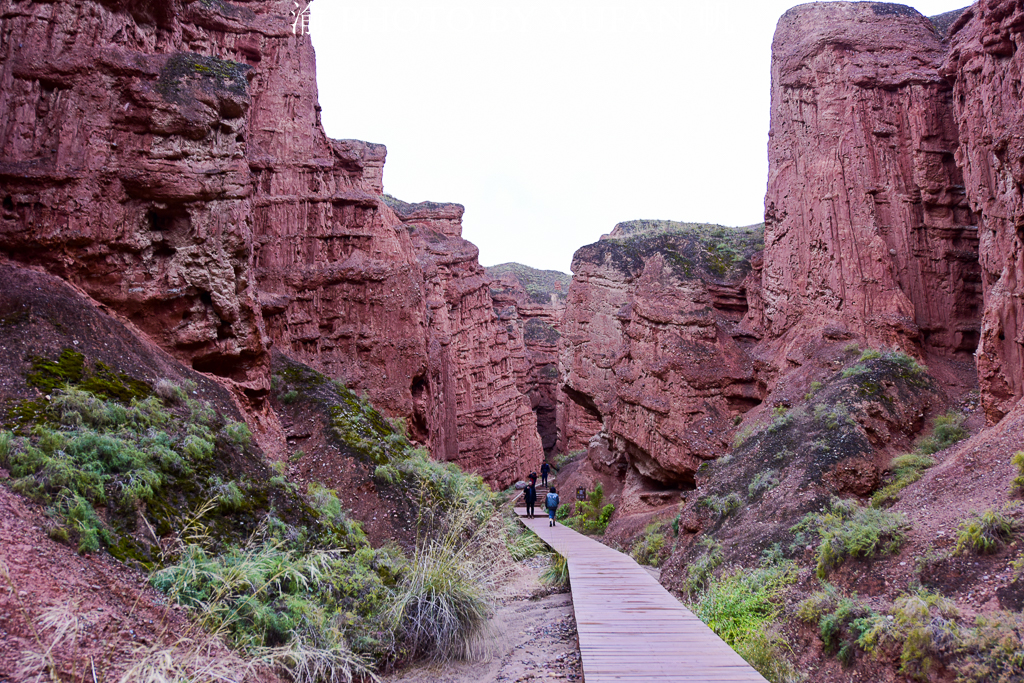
pixel 551 501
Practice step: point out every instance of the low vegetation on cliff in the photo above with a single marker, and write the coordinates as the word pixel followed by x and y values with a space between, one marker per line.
pixel 161 479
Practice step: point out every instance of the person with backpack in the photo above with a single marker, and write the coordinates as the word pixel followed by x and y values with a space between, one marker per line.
pixel 530 496
pixel 544 469
pixel 551 502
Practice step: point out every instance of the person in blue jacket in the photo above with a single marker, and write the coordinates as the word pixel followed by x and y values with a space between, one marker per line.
pixel 544 469
pixel 551 503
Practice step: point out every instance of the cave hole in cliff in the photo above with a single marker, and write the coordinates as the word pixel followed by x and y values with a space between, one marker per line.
pixel 221 366
pixel 583 401
pixel 206 297
pixel 420 390
pixel 742 404
pixel 163 218
pixel 8 203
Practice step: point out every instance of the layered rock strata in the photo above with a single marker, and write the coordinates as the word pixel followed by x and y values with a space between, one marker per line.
pixel 985 65
pixel 168 159
pixel 478 414
pixel 648 349
pixel 124 164
pixel 535 301
pixel 868 232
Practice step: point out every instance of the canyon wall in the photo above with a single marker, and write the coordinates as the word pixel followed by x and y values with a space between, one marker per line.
pixel 651 352
pixel 168 159
pixel 985 65
pixel 477 360
pixel 534 300
pixel 868 232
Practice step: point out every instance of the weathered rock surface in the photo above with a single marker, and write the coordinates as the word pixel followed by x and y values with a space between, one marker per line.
pixel 985 66
pixel 478 415
pixel 535 301
pixel 868 232
pixel 648 350
pixel 123 163
pixel 168 159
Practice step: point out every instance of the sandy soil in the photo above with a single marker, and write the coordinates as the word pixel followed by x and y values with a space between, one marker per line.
pixel 533 637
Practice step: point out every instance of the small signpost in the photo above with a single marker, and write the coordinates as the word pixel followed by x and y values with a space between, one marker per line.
pixel 300 26
pixel 581 493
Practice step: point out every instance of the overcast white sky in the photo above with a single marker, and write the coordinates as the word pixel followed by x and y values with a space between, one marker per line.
pixel 553 120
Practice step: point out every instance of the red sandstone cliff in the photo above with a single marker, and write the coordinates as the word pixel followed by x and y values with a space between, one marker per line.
pixel 477 415
pixel 648 350
pixel 867 229
pixel 985 66
pixel 534 300
pixel 168 158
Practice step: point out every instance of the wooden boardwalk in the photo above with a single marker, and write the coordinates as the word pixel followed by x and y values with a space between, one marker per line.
pixel 630 627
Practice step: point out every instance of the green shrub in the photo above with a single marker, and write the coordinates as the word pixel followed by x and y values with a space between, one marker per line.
pixel 229 495
pixel 742 435
pixel 923 627
pixel 906 469
pixel 849 530
pixel 1018 482
pixel 946 430
pixel 238 433
pixel 841 621
pixel 854 370
pixel 869 354
pixel 589 516
pixel 289 397
pixel 6 446
pixel 721 506
pixel 169 391
pixel 386 474
pixel 742 607
pixel 648 549
pixel 986 532
pixel 763 481
pixel 699 572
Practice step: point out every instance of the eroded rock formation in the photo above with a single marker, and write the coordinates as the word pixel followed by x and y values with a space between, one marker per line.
pixel 867 227
pixel 985 66
pixel 535 301
pixel 648 351
pixel 477 361
pixel 168 159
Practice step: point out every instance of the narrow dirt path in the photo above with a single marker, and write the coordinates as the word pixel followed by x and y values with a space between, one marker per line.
pixel 533 638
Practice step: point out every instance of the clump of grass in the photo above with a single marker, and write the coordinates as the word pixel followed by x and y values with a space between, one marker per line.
pixel 557 572
pixel 815 387
pixel 743 606
pixel 993 651
pixel 699 572
pixel 720 506
pixel 522 543
pixel 848 530
pixel 1018 482
pixel 289 397
pixel 763 481
pixel 906 469
pixel 854 370
pixel 869 354
pixel 922 625
pixel 742 435
pixel 442 601
pixel 169 391
pixel 986 532
pixel 649 548
pixel 946 430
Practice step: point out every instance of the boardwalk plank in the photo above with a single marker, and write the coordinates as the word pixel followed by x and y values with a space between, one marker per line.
pixel 630 627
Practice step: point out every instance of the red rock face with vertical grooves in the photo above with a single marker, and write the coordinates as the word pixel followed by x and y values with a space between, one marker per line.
pixel 477 360
pixel 985 64
pixel 866 223
pixel 168 158
pixel 534 301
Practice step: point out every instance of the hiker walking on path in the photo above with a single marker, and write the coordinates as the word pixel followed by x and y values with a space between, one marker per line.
pixel 544 469
pixel 551 503
pixel 530 496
